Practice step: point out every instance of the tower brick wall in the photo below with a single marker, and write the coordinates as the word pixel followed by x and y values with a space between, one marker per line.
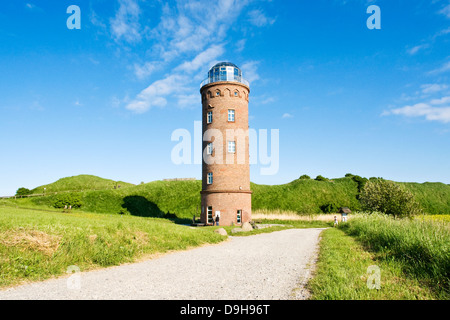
pixel 230 189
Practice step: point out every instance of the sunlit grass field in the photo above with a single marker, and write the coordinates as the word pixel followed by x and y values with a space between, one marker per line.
pixel 413 256
pixel 37 245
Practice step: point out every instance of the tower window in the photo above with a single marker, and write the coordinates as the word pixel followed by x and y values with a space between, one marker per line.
pixel 209 117
pixel 231 146
pixel 217 93
pixel 209 148
pixel 235 93
pixel 239 216
pixel 210 178
pixel 230 115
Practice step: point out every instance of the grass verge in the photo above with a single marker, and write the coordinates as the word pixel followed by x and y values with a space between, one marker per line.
pixel 412 256
pixel 35 245
pixel 342 273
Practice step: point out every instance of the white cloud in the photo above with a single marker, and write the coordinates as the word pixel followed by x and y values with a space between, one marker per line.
pixel 442 33
pixel 250 71
pixel 240 45
pixel 287 116
pixel 125 25
pixel 96 20
pixel 444 100
pixel 433 88
pixel 435 110
pixel 268 100
pixel 33 7
pixel 259 19
pixel 202 59
pixel 154 95
pixel 416 49
pixel 189 100
pixel 193 25
pixel 115 102
pixel 190 36
pixel 444 68
pixel 145 70
pixel 446 11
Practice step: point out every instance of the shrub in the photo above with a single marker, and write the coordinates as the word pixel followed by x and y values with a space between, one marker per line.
pixel 305 177
pixel 23 192
pixel 67 199
pixel 320 178
pixel 361 183
pixel 329 208
pixel 390 198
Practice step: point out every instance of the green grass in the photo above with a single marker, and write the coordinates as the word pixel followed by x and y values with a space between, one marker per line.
pixel 413 257
pixel 422 247
pixel 36 245
pixel 342 273
pixel 80 183
pixel 305 196
pixel 433 197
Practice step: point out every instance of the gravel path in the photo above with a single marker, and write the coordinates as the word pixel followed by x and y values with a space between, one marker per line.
pixel 267 266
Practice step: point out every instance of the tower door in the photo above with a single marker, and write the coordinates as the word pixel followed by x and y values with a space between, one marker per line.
pixel 209 217
pixel 239 216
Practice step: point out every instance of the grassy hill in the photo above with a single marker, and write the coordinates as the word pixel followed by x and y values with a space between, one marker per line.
pixel 80 183
pixel 306 196
pixel 182 198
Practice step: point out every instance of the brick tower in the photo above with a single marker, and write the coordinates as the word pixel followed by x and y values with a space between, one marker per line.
pixel 225 167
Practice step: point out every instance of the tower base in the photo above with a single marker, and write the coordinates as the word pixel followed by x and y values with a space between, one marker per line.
pixel 233 207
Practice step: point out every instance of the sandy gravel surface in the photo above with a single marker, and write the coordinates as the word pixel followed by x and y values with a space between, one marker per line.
pixel 267 266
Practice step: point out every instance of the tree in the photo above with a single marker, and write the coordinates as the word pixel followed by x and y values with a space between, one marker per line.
pixel 305 177
pixel 23 192
pixel 67 199
pixel 320 178
pixel 390 198
pixel 360 181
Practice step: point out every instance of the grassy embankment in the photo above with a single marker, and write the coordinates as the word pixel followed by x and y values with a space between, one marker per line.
pixel 412 255
pixel 182 198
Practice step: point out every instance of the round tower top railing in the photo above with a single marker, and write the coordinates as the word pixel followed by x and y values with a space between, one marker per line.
pixel 224 71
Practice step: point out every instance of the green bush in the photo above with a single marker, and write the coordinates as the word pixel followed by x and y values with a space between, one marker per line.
pixel 320 178
pixel 66 199
pixel 305 177
pixel 390 198
pixel 23 192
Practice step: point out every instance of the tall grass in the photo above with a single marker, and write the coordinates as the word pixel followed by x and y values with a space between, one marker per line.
pixel 292 216
pixel 423 247
pixel 342 273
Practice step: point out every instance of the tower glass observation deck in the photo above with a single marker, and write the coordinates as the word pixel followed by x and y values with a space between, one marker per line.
pixel 224 71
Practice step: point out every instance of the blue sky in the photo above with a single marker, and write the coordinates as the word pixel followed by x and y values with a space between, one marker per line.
pixel 105 99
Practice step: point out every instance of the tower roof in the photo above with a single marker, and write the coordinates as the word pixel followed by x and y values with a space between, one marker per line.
pixel 224 71
pixel 225 64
